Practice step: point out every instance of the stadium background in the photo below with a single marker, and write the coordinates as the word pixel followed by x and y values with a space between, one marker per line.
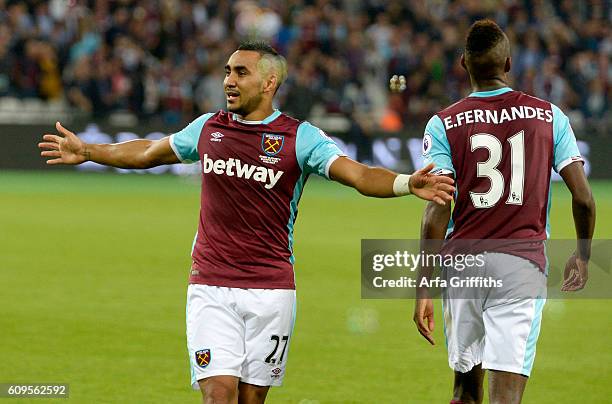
pixel 93 266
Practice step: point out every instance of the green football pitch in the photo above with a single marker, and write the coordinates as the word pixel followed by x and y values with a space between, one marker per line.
pixel 93 272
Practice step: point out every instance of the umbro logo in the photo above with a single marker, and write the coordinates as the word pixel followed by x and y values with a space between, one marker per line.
pixel 216 136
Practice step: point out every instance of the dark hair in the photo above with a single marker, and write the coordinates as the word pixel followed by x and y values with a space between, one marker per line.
pixel 258 46
pixel 482 36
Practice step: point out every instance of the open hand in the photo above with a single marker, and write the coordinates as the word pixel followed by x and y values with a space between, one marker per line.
pixel 437 188
pixel 64 149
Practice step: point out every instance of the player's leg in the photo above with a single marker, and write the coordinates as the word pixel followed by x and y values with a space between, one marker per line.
pixel 464 333
pixel 219 390
pixel 506 387
pixel 269 316
pixel 251 394
pixel 468 386
pixel 511 335
pixel 512 325
pixel 215 342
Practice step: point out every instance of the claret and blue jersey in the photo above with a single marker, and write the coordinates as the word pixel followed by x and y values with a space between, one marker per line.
pixel 253 174
pixel 500 146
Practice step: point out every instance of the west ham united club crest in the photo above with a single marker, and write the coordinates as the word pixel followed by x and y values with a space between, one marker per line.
pixel 202 357
pixel 272 144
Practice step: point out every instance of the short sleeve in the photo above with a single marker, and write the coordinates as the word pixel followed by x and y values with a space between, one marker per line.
pixel 436 148
pixel 315 151
pixel 565 149
pixel 185 143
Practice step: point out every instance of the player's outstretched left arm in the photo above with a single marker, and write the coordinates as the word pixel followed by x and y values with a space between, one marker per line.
pixel 382 183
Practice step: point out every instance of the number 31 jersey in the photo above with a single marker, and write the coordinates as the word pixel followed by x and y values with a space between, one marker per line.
pixel 500 146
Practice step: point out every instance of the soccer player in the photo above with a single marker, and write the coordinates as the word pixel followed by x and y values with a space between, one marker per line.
pixel 499 145
pixel 255 162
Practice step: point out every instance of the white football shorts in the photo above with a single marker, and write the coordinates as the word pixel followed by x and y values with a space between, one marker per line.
pixel 497 326
pixel 239 332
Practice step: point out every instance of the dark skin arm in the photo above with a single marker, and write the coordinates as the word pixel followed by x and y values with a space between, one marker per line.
pixel 378 182
pixel 583 209
pixel 433 230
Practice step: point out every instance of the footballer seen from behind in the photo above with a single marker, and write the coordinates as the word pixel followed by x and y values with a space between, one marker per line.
pixel 254 161
pixel 499 145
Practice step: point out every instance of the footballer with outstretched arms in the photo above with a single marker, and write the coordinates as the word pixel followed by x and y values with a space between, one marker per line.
pixel 499 145
pixel 255 161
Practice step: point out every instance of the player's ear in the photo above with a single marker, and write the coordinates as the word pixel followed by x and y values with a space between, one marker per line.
pixel 270 83
pixel 463 62
pixel 508 65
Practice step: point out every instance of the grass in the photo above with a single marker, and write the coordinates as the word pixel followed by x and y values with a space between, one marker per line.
pixel 93 273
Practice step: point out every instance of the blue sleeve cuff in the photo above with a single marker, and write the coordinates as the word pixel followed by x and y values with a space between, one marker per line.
pixel 565 148
pixel 185 142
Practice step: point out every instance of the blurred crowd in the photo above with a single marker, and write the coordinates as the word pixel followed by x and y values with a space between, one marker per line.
pixel 165 58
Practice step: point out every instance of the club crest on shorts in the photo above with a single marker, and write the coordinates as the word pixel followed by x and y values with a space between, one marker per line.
pixel 272 144
pixel 202 357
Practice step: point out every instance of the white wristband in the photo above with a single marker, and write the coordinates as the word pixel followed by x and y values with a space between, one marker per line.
pixel 401 185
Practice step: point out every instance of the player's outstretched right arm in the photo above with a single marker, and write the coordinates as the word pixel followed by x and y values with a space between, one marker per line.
pixel 67 148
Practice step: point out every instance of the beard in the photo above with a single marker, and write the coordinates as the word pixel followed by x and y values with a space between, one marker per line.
pixel 246 107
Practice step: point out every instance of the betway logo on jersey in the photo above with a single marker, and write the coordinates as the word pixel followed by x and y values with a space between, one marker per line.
pixel 234 167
